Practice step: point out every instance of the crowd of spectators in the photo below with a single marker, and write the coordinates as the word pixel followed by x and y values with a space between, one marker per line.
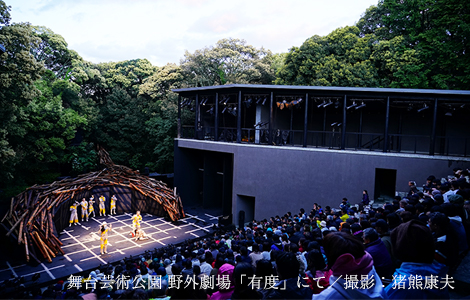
pixel 405 248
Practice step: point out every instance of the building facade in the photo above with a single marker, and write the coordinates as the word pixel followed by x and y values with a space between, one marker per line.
pixel 255 151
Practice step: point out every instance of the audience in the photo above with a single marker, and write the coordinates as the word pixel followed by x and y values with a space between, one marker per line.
pixel 349 261
pixel 348 252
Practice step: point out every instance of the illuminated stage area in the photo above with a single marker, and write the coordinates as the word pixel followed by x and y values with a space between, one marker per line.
pixel 81 244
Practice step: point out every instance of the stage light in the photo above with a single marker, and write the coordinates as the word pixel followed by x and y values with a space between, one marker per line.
pixel 321 105
pixel 424 108
pixel 296 102
pixel 351 106
pixel 448 114
pixel 361 106
pixel 248 102
pixel 282 104
pixel 211 110
pixel 225 108
pixel 327 104
pixel 233 111
pixel 337 103
pixel 264 101
pixel 260 124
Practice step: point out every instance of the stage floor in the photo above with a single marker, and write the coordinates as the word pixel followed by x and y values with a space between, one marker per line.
pixel 82 244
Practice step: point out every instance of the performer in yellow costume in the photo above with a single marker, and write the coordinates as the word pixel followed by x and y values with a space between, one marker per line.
pixel 91 209
pixel 136 219
pixel 73 214
pixel 113 205
pixel 84 205
pixel 104 229
pixel 102 207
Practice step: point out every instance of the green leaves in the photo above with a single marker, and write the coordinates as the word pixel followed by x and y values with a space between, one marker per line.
pixel 229 61
pixel 82 158
pixel 4 13
pixel 433 32
pixel 341 58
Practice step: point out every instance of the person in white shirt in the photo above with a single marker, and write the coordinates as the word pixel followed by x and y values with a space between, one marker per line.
pixel 205 267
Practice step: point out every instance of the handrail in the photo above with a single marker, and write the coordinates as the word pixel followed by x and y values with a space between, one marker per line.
pixel 398 143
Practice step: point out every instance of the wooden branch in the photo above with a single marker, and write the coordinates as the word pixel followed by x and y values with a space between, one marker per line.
pixel 20 235
pixel 38 244
pixel 46 250
pixel 54 202
pixel 16 224
pixel 36 204
pixel 11 206
pixel 26 246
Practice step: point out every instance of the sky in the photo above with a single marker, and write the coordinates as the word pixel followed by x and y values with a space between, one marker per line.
pixel 162 30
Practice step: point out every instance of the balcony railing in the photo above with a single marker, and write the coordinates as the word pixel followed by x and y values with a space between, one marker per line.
pixel 397 143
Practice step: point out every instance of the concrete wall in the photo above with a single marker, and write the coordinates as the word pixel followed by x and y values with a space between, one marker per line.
pixel 286 178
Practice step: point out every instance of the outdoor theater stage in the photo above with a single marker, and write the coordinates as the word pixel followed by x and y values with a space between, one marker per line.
pixel 81 244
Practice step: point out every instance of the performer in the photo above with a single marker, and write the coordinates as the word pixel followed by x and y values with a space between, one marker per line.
pixel 140 234
pixel 102 207
pixel 91 209
pixel 104 229
pixel 73 214
pixel 136 219
pixel 113 205
pixel 84 205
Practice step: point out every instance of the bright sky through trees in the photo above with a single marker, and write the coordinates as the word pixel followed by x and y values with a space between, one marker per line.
pixel 161 30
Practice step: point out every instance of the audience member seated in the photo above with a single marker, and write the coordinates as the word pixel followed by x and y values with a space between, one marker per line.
pixel 414 246
pixel 377 249
pixel 349 261
pixel 290 285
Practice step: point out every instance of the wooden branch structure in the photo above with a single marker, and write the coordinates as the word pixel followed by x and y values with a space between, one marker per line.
pixel 30 218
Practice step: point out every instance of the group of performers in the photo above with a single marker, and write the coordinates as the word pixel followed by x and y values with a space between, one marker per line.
pixel 136 232
pixel 88 209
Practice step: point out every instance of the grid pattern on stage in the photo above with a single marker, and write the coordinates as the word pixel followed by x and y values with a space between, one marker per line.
pixel 81 243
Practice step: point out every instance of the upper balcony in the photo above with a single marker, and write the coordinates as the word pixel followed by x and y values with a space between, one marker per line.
pixel 416 121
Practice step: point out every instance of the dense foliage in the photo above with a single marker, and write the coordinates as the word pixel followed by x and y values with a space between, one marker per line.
pixel 412 44
pixel 55 107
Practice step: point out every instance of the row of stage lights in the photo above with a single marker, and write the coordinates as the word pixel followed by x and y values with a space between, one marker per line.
pixel 232 109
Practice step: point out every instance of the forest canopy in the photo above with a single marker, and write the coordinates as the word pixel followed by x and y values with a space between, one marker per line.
pixel 55 106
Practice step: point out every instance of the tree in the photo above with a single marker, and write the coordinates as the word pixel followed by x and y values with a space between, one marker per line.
pixel 341 58
pixel 371 22
pixel 48 124
pixel 161 127
pixel 437 30
pixel 127 75
pixel 5 17
pixel 53 52
pixel 18 71
pixel 398 66
pixel 229 61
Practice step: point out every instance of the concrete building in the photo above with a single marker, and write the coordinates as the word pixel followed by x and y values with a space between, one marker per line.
pixel 255 151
